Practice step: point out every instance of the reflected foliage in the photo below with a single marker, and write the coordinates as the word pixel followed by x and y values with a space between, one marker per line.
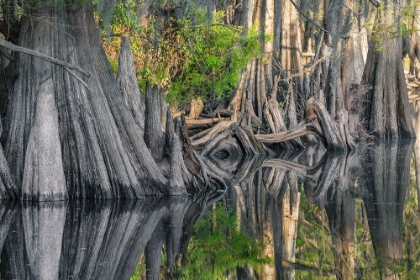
pixel 218 246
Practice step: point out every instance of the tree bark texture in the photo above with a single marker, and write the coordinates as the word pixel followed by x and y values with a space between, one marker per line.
pixel 71 136
pixel 128 83
pixel 388 108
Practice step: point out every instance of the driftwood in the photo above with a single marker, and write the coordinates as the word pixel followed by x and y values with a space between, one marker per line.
pixel 209 134
pixel 197 106
pixel 201 122
pixel 317 121
pixel 227 139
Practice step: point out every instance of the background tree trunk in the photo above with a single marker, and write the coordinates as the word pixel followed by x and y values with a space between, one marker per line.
pixel 388 108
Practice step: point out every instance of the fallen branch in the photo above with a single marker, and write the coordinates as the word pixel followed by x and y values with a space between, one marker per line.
pixel 206 121
pixel 208 135
pixel 301 130
pixel 15 48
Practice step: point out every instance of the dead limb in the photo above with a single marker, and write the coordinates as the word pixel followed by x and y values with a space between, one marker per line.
pixel 301 130
pixel 206 121
pixel 42 56
pixel 207 135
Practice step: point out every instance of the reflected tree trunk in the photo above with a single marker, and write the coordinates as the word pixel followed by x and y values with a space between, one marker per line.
pixel 290 217
pixel 341 214
pixel 387 185
pixel 7 216
pixel 43 226
pixel 153 252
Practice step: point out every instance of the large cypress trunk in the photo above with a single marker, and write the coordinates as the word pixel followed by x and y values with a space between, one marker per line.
pixel 388 108
pixel 71 135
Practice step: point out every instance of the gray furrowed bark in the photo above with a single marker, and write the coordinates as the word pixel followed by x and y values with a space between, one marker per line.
pixel 103 154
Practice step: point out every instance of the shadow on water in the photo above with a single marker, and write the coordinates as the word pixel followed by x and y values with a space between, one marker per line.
pixel 293 216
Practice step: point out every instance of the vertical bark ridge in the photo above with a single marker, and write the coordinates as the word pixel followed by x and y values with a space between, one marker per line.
pixel 103 154
pixel 128 83
pixel 153 129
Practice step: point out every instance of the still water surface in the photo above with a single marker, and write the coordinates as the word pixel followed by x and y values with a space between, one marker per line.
pixel 308 215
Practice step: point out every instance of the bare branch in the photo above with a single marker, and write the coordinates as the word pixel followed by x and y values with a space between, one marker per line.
pixel 15 48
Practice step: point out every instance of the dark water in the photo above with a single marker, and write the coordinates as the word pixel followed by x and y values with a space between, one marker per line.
pixel 308 215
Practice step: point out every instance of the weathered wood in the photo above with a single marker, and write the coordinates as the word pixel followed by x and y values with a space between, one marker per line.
pixel 206 121
pixel 153 135
pixel 189 156
pixel 103 154
pixel 209 134
pixel 8 188
pixel 299 131
pixel 127 80
pixel 387 107
pixel 197 106
pixel 176 182
pixel 42 56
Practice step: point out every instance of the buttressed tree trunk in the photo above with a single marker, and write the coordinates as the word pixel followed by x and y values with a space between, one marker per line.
pixel 71 135
pixel 388 108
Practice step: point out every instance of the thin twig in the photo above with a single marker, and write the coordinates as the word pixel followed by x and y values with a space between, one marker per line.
pixel 78 78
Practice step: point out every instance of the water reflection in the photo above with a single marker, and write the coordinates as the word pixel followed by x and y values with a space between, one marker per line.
pixel 100 240
pixel 293 216
pixel 371 182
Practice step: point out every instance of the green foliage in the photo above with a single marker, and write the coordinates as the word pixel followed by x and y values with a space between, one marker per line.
pixel 402 28
pixel 125 16
pixel 219 246
pixel 195 56
pixel 211 58
pixel 139 271
pixel 313 244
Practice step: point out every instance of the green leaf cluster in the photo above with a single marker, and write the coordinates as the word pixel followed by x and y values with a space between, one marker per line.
pixel 193 56
pixel 210 57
